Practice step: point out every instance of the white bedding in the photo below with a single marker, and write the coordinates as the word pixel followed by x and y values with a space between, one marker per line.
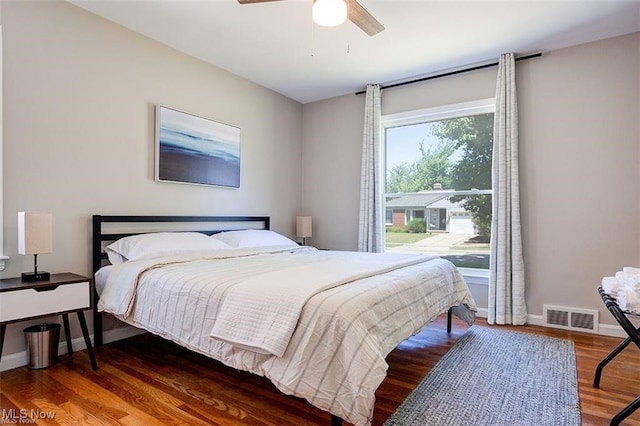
pixel 276 307
pixel 335 357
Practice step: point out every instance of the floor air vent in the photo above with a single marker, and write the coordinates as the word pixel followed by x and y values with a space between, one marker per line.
pixel 570 318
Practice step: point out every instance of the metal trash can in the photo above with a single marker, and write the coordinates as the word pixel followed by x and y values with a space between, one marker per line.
pixel 42 345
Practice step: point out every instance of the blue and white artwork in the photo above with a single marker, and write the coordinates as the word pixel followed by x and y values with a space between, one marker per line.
pixel 193 149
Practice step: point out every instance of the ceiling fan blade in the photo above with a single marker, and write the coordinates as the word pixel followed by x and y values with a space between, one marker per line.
pixel 254 1
pixel 363 19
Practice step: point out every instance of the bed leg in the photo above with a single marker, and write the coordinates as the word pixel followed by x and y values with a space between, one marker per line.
pixel 335 420
pixel 449 314
pixel 97 329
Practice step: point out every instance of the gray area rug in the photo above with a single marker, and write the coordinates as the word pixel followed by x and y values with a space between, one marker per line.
pixel 497 377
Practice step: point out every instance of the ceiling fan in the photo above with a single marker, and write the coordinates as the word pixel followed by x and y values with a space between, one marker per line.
pixel 334 12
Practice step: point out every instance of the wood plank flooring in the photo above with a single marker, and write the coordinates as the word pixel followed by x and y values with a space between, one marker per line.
pixel 148 381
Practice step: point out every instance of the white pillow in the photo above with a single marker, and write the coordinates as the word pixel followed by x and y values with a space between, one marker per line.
pixel 158 244
pixel 253 238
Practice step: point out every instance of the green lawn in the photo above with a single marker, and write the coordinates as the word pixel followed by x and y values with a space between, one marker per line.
pixel 479 261
pixel 476 248
pixel 398 238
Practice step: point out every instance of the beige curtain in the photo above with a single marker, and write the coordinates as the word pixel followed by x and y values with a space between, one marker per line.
pixel 370 229
pixel 506 278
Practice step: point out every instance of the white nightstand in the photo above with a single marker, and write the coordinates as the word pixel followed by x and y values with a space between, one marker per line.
pixel 60 295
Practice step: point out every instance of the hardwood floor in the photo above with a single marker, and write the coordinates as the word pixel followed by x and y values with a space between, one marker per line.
pixel 148 381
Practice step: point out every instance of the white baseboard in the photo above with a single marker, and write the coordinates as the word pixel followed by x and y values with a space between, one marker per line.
pixel 603 329
pixel 482 313
pixel 611 330
pixel 19 359
pixel 120 333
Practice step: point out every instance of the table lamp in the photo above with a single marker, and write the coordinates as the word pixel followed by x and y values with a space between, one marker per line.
pixel 34 237
pixel 303 227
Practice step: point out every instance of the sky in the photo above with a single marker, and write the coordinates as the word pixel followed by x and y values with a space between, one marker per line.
pixel 403 143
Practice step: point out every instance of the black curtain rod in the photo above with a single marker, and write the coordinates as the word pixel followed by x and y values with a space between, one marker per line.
pixel 447 74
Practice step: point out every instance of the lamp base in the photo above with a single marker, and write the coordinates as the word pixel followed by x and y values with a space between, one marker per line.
pixel 35 276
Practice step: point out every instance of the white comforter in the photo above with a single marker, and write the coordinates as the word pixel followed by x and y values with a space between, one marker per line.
pixel 276 298
pixel 335 357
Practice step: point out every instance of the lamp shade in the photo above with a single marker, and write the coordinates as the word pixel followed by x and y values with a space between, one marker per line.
pixel 329 13
pixel 34 233
pixel 304 226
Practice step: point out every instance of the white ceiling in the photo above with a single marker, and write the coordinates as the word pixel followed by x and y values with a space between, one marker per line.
pixel 277 46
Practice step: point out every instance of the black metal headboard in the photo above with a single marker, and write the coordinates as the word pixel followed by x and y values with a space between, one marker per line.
pixel 135 225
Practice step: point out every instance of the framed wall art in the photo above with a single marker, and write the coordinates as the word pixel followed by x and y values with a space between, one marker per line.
pixel 197 150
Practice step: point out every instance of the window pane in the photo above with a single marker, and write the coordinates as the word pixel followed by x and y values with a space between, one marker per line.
pixel 438 174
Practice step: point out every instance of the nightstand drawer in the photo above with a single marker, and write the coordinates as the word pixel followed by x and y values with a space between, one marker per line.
pixel 30 303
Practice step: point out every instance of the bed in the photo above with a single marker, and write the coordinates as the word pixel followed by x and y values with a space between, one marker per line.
pixel 318 324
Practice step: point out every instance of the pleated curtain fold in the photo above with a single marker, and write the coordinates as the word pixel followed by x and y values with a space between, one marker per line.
pixel 506 278
pixel 370 236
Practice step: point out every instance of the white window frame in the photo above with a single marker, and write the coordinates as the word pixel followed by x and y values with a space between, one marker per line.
pixel 482 106
pixel 444 112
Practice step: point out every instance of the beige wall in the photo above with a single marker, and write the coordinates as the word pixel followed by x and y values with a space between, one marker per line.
pixel 580 170
pixel 79 96
pixel 579 158
pixel 331 169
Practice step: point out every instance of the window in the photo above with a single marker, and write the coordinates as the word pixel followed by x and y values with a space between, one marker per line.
pixel 438 173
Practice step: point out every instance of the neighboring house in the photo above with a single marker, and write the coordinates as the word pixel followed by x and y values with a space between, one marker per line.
pixel 434 207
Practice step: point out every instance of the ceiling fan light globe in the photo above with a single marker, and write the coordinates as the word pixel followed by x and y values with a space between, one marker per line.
pixel 329 13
